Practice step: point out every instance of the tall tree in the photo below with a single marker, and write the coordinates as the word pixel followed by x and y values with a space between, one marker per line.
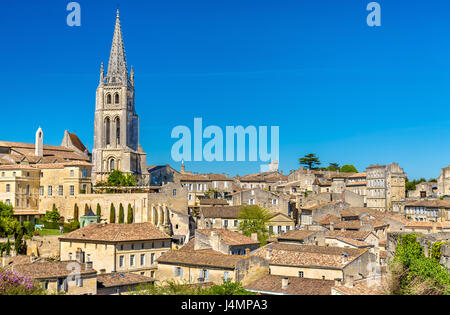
pixel 333 167
pixel 86 209
pixel 349 169
pixel 130 217
pixel 112 214
pixel 311 161
pixel 121 214
pixel 75 213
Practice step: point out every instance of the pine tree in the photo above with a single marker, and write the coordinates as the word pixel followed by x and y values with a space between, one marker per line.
pixel 99 213
pixel 86 209
pixel 75 213
pixel 130 217
pixel 121 214
pixel 112 214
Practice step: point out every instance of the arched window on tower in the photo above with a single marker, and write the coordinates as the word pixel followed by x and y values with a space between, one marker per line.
pixel 118 131
pixel 107 131
pixel 112 165
pixel 116 98
pixel 108 99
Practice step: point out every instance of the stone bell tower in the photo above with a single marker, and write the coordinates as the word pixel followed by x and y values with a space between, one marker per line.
pixel 116 126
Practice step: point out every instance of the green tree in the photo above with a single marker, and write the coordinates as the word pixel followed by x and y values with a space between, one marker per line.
pixel 349 169
pixel 118 179
pixel 173 288
pixel 75 213
pixel 311 161
pixel 8 225
pixel 121 214
pixel 112 214
pixel 253 220
pixel 52 216
pixel 86 209
pixel 333 167
pixel 99 212
pixel 130 217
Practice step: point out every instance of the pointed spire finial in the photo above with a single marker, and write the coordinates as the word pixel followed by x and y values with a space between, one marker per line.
pixel 117 67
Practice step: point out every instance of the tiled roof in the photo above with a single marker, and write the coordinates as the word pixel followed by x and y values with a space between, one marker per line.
pixel 296 235
pixel 213 202
pixel 308 255
pixel 363 287
pixel 200 258
pixel 228 212
pixel 116 233
pixel 204 177
pixel 296 286
pixel 357 235
pixel 77 142
pixel 107 280
pixel 429 204
pixel 358 175
pixel 229 237
pixel 350 241
pixel 439 225
pixel 52 269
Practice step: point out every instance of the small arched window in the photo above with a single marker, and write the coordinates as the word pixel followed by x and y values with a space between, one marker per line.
pixel 116 98
pixel 112 165
pixel 108 99
pixel 118 131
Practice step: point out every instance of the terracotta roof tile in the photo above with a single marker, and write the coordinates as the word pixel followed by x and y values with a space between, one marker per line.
pixel 296 286
pixel 117 233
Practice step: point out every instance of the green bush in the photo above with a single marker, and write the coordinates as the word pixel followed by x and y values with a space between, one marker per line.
pixel 52 225
pixel 29 227
pixel 70 227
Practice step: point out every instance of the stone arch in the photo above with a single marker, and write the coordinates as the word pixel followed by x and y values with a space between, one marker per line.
pixel 116 98
pixel 108 99
pixel 155 216
pixel 112 164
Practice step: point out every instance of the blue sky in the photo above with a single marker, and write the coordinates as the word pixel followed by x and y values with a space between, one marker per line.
pixel 336 87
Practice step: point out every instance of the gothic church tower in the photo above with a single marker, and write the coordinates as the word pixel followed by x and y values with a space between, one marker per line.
pixel 116 126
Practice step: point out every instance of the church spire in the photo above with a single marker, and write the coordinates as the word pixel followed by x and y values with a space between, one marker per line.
pixel 117 67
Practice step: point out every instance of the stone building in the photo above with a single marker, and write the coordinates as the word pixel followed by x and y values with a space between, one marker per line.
pixel 444 182
pixel 116 124
pixel 267 180
pixel 424 190
pixel 428 210
pixel 273 201
pixel 224 241
pixel 386 188
pixel 316 262
pixel 71 276
pixel 201 186
pixel 202 266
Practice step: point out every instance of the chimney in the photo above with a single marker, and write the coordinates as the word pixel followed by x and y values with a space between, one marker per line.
pixel 284 283
pixel 254 237
pixel 349 281
pixel 88 266
pixel 39 144
pixel 337 282
pixel 433 227
pixel 269 253
pixel 344 258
